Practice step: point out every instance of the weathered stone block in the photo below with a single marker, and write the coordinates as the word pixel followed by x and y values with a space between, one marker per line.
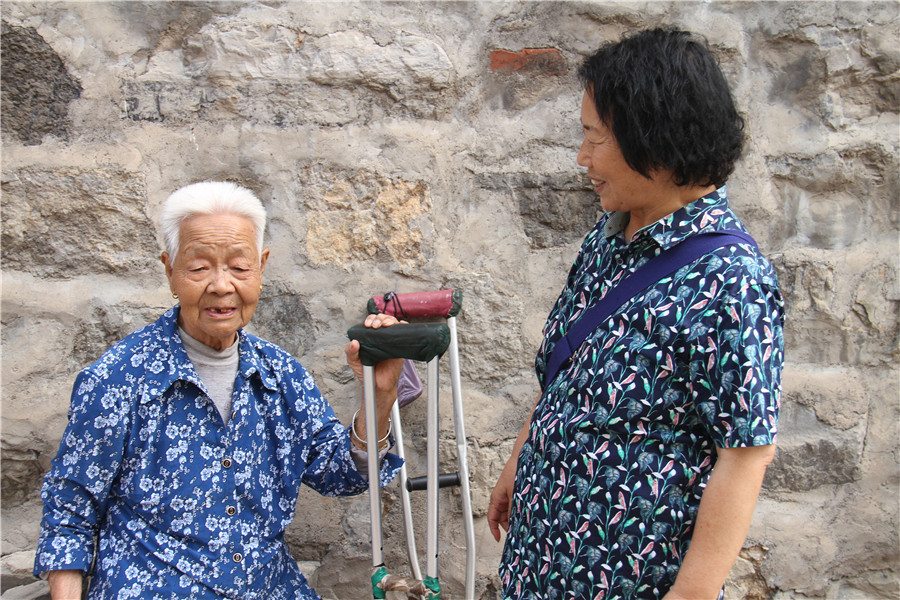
pixel 838 396
pixel 346 58
pixel 411 70
pixel 62 223
pixel 15 570
pixel 744 581
pixel 811 453
pixel 842 306
pixel 554 214
pixel 37 87
pixel 367 217
pixel 22 472
pixel 828 200
pixel 814 464
pixel 282 319
pixel 106 325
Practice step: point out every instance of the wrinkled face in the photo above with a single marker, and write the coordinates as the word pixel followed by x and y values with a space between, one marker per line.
pixel 217 276
pixel 620 187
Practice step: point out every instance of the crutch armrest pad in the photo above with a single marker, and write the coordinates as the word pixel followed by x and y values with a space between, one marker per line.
pixel 415 341
pixel 417 305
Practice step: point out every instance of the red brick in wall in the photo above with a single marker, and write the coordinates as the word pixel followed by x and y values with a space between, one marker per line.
pixel 547 61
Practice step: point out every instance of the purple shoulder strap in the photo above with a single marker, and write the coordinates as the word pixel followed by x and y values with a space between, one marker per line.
pixel 653 270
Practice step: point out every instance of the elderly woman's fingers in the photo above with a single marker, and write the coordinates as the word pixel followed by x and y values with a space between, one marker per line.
pixel 381 320
pixel 351 351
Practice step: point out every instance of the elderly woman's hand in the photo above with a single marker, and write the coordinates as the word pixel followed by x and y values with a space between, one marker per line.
pixel 387 373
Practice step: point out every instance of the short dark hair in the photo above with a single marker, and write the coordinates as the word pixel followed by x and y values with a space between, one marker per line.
pixel 664 97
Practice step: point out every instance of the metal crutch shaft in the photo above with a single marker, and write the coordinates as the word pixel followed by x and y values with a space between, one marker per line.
pixel 404 496
pixel 462 457
pixel 372 464
pixel 432 432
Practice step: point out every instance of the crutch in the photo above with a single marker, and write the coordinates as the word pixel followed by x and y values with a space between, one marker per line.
pixel 422 342
pixel 425 345
pixel 422 305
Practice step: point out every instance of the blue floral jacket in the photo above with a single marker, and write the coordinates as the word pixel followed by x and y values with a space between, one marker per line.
pixel 156 498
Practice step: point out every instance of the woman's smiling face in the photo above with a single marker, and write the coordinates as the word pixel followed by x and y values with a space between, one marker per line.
pixel 620 187
pixel 217 276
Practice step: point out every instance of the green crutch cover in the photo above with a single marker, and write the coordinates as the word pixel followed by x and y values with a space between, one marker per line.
pixel 377 575
pixel 434 588
pixel 415 341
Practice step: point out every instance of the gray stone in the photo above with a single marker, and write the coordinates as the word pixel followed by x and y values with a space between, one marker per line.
pixel 106 325
pixel 37 88
pixel 15 570
pixel 556 210
pixel 62 223
pixel 282 319
pixel 813 464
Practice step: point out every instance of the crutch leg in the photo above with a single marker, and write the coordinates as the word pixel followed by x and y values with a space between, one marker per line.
pixel 462 460
pixel 378 570
pixel 404 496
pixel 432 489
pixel 446 304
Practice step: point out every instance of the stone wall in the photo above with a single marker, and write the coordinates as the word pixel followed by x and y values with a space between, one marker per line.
pixel 415 145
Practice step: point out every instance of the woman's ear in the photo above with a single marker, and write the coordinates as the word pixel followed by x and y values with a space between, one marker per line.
pixel 164 258
pixel 262 261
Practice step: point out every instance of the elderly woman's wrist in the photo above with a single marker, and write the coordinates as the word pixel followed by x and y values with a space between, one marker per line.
pixel 358 433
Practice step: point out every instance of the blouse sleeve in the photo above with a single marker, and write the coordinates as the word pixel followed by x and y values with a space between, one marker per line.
pixel 76 489
pixel 736 363
pixel 329 467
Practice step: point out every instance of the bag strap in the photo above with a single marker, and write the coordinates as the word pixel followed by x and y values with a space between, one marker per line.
pixel 652 271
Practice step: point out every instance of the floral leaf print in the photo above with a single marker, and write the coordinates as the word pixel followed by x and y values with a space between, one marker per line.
pixel 688 365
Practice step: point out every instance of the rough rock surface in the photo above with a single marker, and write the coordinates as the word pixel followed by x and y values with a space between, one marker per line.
pixel 423 145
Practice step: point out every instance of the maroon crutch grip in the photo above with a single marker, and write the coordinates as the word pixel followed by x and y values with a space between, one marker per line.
pixel 417 305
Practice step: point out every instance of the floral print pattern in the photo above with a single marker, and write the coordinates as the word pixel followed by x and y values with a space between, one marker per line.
pixel 180 504
pixel 622 442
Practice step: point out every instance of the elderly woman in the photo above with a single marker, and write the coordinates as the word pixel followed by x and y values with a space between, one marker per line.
pixel 188 440
pixel 638 471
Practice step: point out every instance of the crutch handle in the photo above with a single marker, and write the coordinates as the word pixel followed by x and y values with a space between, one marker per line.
pixel 417 484
pixel 415 341
pixel 417 305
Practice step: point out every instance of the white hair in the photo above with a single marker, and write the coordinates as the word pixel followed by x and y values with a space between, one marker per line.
pixel 208 198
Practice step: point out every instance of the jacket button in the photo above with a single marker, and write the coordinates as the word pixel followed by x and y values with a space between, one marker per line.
pixel 231 511
pixel 226 462
pixel 237 557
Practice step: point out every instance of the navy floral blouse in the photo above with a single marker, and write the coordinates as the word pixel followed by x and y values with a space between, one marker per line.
pixel 623 440
pixel 182 505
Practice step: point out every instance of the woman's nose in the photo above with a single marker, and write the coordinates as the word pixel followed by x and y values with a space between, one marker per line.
pixel 221 281
pixel 584 155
